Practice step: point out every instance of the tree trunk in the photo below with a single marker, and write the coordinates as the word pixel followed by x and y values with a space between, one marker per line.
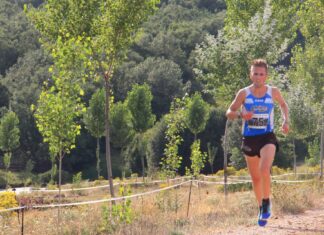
pixel 295 160
pixel 60 182
pixel 98 157
pixel 322 151
pixel 108 155
pixel 143 166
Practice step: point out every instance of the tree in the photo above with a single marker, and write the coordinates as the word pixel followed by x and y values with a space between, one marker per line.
pixel 139 103
pixel 103 29
pixel 164 78
pixel 23 81
pixel 94 120
pixel 122 129
pixel 307 61
pixel 9 136
pixel 239 13
pixel 223 61
pixel 175 126
pixel 302 115
pixel 196 114
pixel 197 158
pixel 55 115
pixel 211 153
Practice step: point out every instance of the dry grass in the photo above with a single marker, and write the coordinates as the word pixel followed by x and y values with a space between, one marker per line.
pixel 165 212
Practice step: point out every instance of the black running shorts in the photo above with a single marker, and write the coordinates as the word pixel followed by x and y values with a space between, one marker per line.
pixel 251 145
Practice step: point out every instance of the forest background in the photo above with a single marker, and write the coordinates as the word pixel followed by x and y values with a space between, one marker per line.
pixel 195 50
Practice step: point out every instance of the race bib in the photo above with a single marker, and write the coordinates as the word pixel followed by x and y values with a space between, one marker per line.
pixel 259 121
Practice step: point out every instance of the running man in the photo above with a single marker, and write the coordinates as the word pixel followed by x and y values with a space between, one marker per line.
pixel 255 104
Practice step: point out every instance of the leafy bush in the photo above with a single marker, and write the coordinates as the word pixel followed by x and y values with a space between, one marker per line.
pixel 238 187
pixel 118 214
pixel 45 177
pixel 8 200
pixel 275 170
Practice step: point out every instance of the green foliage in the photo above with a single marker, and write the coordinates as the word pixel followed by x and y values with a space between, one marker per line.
pixel 302 113
pixel 197 114
pixel 164 78
pixel 76 179
pixel 313 157
pixel 239 13
pixel 211 153
pixel 94 118
pixel 175 125
pixel 139 103
pixel 55 117
pixel 16 35
pixel 155 139
pixel 239 187
pixel 237 158
pixel 119 214
pixel 168 201
pixel 198 158
pixel 224 61
pixel 122 130
pixel 9 132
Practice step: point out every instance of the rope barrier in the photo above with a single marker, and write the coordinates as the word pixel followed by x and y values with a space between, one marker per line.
pixel 144 194
pixel 97 201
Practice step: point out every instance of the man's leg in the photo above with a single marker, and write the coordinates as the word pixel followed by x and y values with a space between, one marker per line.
pixel 253 164
pixel 267 154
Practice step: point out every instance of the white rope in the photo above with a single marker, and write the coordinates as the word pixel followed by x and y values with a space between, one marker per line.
pixel 106 186
pixel 12 209
pixel 109 199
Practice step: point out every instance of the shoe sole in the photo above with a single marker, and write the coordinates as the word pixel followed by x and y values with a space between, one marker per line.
pixel 265 216
pixel 262 222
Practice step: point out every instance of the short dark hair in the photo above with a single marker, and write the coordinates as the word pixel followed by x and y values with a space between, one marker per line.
pixel 260 63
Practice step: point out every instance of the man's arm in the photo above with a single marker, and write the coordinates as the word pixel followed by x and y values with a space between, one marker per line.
pixel 283 107
pixel 232 112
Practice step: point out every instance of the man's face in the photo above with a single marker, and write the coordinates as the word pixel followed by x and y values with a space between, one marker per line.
pixel 258 76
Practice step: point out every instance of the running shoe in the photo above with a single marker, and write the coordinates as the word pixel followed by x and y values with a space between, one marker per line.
pixel 266 210
pixel 261 222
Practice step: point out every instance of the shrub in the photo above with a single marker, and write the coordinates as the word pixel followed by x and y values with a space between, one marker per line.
pixel 118 214
pixel 277 171
pixel 292 198
pixel 8 200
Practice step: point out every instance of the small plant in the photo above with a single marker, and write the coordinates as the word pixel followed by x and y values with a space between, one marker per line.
pixel 77 179
pixel 7 200
pixel 197 158
pixel 168 201
pixel 118 214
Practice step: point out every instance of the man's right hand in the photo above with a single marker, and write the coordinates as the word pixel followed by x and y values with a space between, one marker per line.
pixel 246 115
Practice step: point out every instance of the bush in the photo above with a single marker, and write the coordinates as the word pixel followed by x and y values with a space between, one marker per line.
pixel 275 170
pixel 292 198
pixel 238 187
pixel 8 200
pixel 45 178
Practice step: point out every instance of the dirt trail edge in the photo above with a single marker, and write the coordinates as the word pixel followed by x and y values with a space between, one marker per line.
pixel 309 222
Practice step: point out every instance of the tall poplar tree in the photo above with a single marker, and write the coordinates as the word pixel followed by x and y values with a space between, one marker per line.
pixel 104 29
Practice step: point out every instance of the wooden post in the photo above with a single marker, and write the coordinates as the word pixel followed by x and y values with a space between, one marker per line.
pixel 189 198
pixel 225 158
pixel 22 221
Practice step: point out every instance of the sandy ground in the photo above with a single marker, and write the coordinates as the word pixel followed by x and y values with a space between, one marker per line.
pixel 309 222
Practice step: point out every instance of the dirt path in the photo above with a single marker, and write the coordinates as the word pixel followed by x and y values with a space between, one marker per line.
pixel 309 222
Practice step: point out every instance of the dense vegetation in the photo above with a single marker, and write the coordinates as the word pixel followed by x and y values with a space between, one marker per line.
pixel 187 47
